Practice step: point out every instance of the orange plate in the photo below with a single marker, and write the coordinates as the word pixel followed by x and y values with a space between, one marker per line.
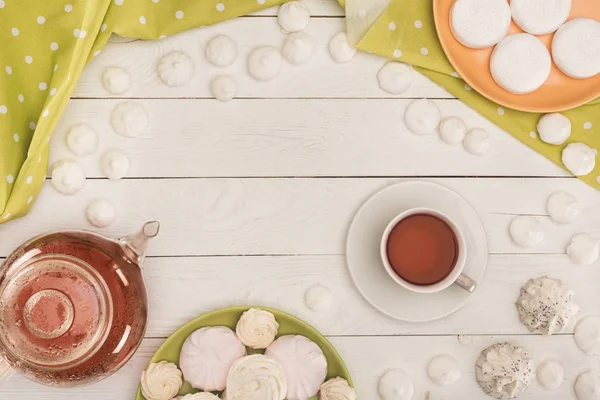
pixel 558 93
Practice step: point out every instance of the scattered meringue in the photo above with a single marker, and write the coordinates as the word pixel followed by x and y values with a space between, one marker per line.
pixel 293 16
pixel 175 69
pixel 116 80
pixel 223 88
pixel 114 164
pixel 477 141
pixel 304 364
pixel 395 77
pixel 452 130
pixel 587 386
pixel 546 305
pixel 422 117
pixel 161 381
pixel 554 128
pixel 82 140
pixel 298 48
pixel 337 389
pixel 221 51
pixel 504 370
pixel 550 374
pixel 339 49
pixel 526 231
pixel 207 355
pixel 578 158
pixel 562 207
pixel 101 213
pixel 129 119
pixel 318 298
pixel 587 335
pixel 256 377
pixel 257 328
pixel 583 249
pixel 443 370
pixel 264 63
pixel 68 177
pixel 396 384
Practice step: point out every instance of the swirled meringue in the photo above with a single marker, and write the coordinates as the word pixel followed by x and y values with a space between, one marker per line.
pixel 337 389
pixel 206 356
pixel 161 381
pixel 504 370
pixel 175 69
pixel 257 328
pixel 256 377
pixel 198 396
pixel 546 305
pixel 304 364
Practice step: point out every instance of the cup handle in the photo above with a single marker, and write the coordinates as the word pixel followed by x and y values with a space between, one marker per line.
pixel 466 283
pixel 6 371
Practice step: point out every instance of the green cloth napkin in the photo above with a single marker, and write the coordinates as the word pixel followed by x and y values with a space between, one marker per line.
pixel 45 46
pixel 405 32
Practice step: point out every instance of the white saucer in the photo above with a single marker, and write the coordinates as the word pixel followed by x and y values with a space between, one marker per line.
pixel 364 260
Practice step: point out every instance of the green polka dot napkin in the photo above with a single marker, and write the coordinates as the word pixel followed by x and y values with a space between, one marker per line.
pixel 45 45
pixel 405 32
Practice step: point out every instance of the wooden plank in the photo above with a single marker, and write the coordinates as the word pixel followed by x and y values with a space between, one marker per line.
pixel 408 353
pixel 317 8
pixel 287 216
pixel 319 77
pixel 296 137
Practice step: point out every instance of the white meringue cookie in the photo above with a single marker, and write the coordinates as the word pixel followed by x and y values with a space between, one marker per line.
pixel 116 80
pixel 395 77
pixel 587 386
pixel 223 88
pixel 293 16
pixel 129 119
pixel 257 328
pixel 318 298
pixel 339 49
pixel 298 48
pixel 587 335
pixel 554 128
pixel 337 389
pixel 221 51
pixel 452 130
pixel 550 374
pixel 562 207
pixel 82 140
pixel 504 370
pixel 396 385
pixel 256 377
pixel 477 141
pixel 579 158
pixel 161 381
pixel 198 396
pixel 68 177
pixel 175 69
pixel 101 213
pixel 422 117
pixel 443 370
pixel 114 164
pixel 526 231
pixel 304 364
pixel 583 249
pixel 264 63
pixel 546 305
pixel 207 355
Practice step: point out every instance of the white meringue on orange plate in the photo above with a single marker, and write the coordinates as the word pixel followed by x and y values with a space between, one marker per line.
pixel 257 328
pixel 256 377
pixel 207 355
pixel 304 364
pixel 337 389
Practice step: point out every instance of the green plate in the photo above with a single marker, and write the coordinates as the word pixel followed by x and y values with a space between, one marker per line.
pixel 288 325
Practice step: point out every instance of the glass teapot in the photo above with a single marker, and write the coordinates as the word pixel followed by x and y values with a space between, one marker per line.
pixel 73 306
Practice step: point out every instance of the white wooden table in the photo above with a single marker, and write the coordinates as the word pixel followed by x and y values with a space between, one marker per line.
pixel 255 197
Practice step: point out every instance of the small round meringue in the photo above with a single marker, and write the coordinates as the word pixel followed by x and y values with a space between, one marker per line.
pixel 587 386
pixel 504 370
pixel 452 130
pixel 101 213
pixel 82 140
pixel 562 207
pixel 339 49
pixel 422 117
pixel 587 335
pixel 318 298
pixel 583 249
pixel 223 88
pixel 264 63
pixel 298 48
pixel 207 355
pixel 221 51
pixel 161 381
pixel 526 231
pixel 116 80
pixel 395 77
pixel 443 370
pixel 68 177
pixel 175 69
pixel 396 385
pixel 579 158
pixel 550 374
pixel 293 16
pixel 554 128
pixel 337 389
pixel 304 364
pixel 114 164
pixel 477 141
pixel 129 119
pixel 256 377
pixel 257 328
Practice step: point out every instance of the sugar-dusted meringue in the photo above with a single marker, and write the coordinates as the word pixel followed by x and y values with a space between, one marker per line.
pixel 161 381
pixel 304 364
pixel 207 355
pixel 257 328
pixel 504 370
pixel 256 377
pixel 337 389
pixel 546 305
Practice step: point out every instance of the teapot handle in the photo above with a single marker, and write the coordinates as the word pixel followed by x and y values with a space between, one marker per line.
pixel 6 371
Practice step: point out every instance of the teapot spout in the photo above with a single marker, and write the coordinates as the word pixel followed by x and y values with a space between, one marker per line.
pixel 135 245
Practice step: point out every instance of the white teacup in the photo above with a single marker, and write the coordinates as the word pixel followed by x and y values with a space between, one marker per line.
pixel 456 276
